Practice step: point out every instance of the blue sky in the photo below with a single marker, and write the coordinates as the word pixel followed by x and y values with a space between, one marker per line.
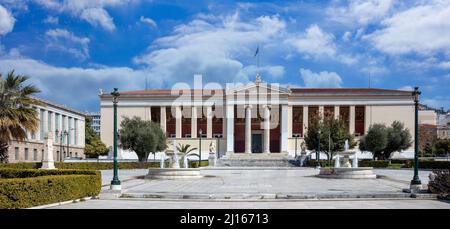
pixel 72 48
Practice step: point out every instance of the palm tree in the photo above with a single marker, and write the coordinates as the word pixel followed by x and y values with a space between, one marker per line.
pixel 186 150
pixel 17 116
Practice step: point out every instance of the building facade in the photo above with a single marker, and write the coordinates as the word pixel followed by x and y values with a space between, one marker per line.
pixel 67 128
pixel 96 120
pixel 257 117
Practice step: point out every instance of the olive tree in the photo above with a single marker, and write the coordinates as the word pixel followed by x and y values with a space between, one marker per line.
pixel 382 141
pixel 142 137
pixel 333 134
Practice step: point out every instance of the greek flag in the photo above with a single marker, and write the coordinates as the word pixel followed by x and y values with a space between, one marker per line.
pixel 257 51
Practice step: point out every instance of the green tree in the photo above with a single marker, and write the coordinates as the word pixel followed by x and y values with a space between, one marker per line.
pixel 375 140
pixel 441 147
pixel 382 141
pixel 142 137
pixel 94 147
pixel 398 138
pixel 17 116
pixel 333 134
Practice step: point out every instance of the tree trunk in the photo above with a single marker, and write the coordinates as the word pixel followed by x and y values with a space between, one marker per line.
pixel 4 157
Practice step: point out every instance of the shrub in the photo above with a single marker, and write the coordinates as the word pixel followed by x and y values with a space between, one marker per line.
pixel 26 188
pixel 440 184
pixel 375 164
pixel 313 163
pixel 434 164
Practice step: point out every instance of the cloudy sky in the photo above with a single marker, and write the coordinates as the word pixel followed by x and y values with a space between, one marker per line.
pixel 72 48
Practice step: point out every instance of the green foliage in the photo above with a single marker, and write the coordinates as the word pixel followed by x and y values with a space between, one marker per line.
pixel 382 141
pixel 94 147
pixel 375 164
pixel 313 163
pixel 30 188
pixel 441 183
pixel 142 137
pixel 333 134
pixel 441 147
pixel 17 116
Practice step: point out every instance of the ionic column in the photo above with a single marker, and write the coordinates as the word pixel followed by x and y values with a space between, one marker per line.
pixel 209 115
pixel 352 119
pixel 336 112
pixel 178 122
pixel 194 122
pixel 266 129
pixel 230 128
pixel 289 125
pixel 367 118
pixel 163 119
pixel 305 119
pixel 284 123
pixel 321 112
pixel 248 129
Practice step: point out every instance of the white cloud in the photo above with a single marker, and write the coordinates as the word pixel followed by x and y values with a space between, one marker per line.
pixel 437 102
pixel 314 42
pixel 212 47
pixel 66 41
pixel 406 88
pixel 148 21
pixel 322 79
pixel 444 65
pixel 422 29
pixel 360 12
pixel 51 20
pixel 89 10
pixel 84 82
pixel 6 21
pixel 98 17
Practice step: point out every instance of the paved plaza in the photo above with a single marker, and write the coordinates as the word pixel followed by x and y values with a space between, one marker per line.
pixel 262 188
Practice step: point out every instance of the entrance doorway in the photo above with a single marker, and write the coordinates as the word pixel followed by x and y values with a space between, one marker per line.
pixel 256 143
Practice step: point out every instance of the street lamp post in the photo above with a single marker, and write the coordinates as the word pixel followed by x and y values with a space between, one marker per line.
pixel 415 182
pixel 200 148
pixel 115 183
pixel 318 151
pixel 296 139
pixel 218 137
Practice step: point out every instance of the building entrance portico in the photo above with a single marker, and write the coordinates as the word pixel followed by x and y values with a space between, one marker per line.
pixel 257 143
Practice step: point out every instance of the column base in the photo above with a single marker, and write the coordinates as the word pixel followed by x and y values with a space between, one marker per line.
pixel 115 187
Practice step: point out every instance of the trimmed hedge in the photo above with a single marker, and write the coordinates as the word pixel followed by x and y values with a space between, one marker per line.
pixel 434 164
pixel 45 186
pixel 375 164
pixel 94 165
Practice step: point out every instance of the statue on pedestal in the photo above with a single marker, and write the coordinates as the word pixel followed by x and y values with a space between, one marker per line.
pixel 212 159
pixel 47 158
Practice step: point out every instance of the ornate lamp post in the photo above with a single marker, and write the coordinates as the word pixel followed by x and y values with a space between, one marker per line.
pixel 200 148
pixel 115 183
pixel 415 182
pixel 296 139
pixel 318 151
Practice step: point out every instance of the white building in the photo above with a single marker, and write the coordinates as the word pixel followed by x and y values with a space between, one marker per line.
pixel 67 127
pixel 258 117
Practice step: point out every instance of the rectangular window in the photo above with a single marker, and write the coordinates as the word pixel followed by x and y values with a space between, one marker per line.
pixel 35 156
pixel 75 131
pixel 41 125
pixel 359 120
pixel 63 128
pixel 49 121
pixel 26 153
pixel 16 153
pixel 297 120
pixel 57 128
pixel 69 131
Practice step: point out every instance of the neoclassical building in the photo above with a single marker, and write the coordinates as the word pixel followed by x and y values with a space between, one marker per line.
pixel 257 117
pixel 67 128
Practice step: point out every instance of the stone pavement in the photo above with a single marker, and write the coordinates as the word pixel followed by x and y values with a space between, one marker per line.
pixel 304 204
pixel 243 185
pixel 269 183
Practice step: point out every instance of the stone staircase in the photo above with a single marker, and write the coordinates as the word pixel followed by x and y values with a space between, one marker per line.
pixel 256 160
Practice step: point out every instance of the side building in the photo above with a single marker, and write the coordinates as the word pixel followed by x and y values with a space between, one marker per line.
pixel 67 128
pixel 95 124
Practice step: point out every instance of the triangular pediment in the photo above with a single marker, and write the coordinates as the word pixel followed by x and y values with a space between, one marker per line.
pixel 259 88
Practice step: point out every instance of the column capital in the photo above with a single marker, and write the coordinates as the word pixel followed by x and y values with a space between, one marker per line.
pixel 248 106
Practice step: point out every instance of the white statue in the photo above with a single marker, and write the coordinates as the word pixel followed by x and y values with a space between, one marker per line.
pixel 212 159
pixel 47 158
pixel 337 162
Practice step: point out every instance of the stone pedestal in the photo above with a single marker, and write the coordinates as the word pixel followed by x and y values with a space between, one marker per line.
pixel 212 159
pixel 47 158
